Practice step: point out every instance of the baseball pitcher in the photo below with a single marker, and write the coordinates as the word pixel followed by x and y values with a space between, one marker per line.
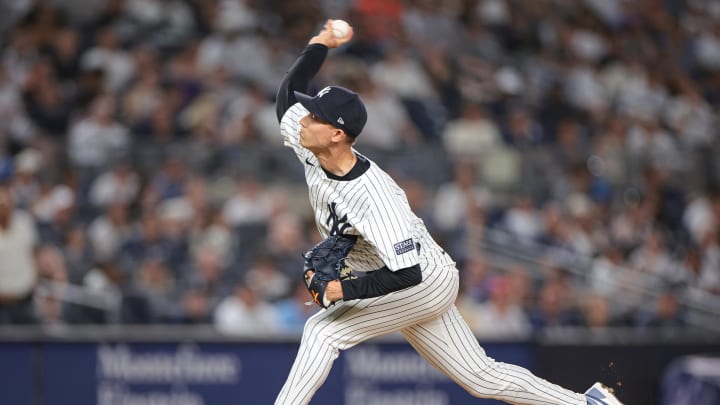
pixel 410 283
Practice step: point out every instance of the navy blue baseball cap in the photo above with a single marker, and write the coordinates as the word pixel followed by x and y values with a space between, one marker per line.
pixel 338 106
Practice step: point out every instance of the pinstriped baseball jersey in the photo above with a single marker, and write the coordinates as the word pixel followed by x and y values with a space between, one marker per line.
pixel 371 206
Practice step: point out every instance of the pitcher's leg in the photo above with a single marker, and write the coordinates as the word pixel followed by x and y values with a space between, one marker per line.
pixel 312 364
pixel 346 324
pixel 449 345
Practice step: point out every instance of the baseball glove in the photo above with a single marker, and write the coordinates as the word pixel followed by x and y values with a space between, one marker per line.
pixel 327 260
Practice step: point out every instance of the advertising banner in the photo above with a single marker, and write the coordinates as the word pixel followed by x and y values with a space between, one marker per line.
pixel 223 373
pixel 17 374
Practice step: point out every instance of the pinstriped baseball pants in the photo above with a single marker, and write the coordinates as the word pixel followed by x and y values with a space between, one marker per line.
pixel 426 316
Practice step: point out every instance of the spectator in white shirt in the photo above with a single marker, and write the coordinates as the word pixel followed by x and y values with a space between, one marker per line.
pixel 107 56
pixel 94 140
pixel 119 185
pixel 18 273
pixel 244 313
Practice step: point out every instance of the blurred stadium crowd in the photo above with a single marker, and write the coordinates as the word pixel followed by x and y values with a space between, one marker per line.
pixel 144 180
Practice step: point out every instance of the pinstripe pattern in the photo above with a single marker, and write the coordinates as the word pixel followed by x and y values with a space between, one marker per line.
pixel 376 209
pixel 348 323
pixel 449 345
pixel 373 207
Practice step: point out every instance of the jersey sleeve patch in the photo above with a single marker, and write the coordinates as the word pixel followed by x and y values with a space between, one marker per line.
pixel 404 247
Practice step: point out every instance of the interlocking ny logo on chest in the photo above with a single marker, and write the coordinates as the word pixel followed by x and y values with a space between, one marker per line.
pixel 336 225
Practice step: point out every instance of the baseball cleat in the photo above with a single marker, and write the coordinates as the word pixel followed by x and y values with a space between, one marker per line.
pixel 599 394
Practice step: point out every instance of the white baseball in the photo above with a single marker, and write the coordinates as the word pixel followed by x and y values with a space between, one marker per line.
pixel 340 28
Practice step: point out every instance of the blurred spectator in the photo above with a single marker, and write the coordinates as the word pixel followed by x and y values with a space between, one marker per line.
pixel 702 214
pixel 400 72
pixel 293 311
pixel 108 56
pixel 46 102
pixel 391 127
pixel 145 95
pixel 120 185
pixel 500 316
pixel 249 205
pixel 555 306
pixel 652 144
pixel 152 296
pixel 455 199
pixel 633 223
pixel 404 76
pixel 160 145
pixel 691 117
pixel 144 241
pixel 50 263
pixel 597 313
pixel 521 130
pixel 471 136
pixel 522 220
pixel 556 229
pixel 380 19
pixel 49 310
pixel 239 124
pixel 464 242
pixel 207 277
pixel 573 146
pixel 163 24
pixel 285 240
pixel 607 272
pixel 25 186
pixel 108 231
pixel 94 141
pixel 609 155
pixel 195 196
pixel 79 254
pixel 664 312
pixel 244 312
pixel 54 210
pixel 267 280
pixel 64 54
pixel 652 257
pixel 583 88
pixel 175 217
pixel 710 268
pixel 197 307
pixel 430 22
pixel 167 183
pixel 104 282
pixel 476 278
pixel 521 287
pixel 14 123
pixel 215 232
pixel 19 55
pixel 204 153
pixel 18 274
pixel 51 305
pixel 237 48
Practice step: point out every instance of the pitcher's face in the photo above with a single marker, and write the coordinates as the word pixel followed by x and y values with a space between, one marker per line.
pixel 315 133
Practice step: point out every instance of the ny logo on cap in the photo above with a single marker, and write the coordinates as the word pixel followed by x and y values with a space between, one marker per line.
pixel 323 92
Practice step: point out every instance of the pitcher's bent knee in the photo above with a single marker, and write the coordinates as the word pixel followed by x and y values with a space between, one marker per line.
pixel 318 329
